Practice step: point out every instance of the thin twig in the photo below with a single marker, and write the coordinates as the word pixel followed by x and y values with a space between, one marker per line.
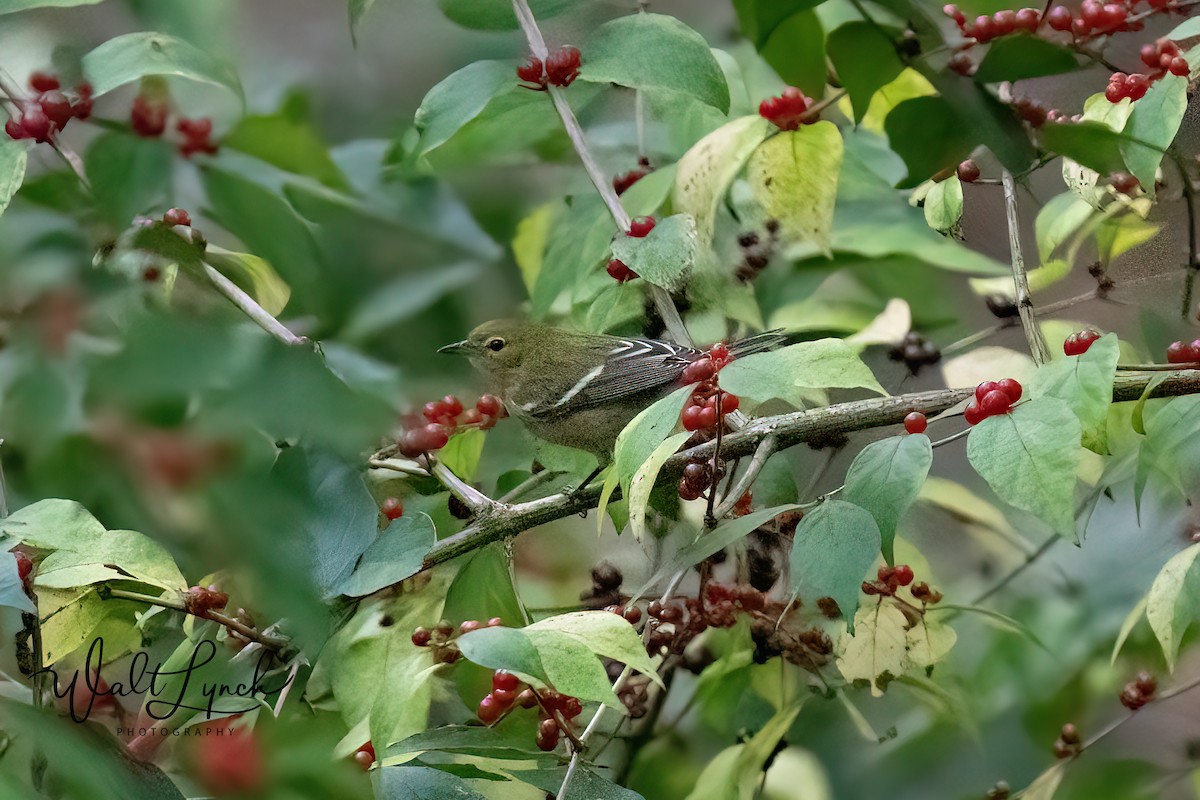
pixel 250 307
pixel 471 497
pixel 528 485
pixel 1189 199
pixel 276 643
pixel 3 489
pixel 766 448
pixel 533 35
pixel 789 430
pixel 1033 334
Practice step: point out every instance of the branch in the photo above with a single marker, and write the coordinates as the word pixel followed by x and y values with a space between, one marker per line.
pixel 468 495
pixel 504 522
pixel 3 489
pixel 1033 334
pixel 251 308
pixel 766 448
pixel 662 298
pixel 277 643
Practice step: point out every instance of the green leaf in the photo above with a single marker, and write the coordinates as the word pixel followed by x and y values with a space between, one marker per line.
pixel 461 97
pixel 397 554
pixel 760 18
pixel 129 176
pixel 505 648
pixel 1118 235
pixel 462 453
pixel 607 635
pixel 1153 124
pixel 1022 56
pixel 1131 620
pixel 642 482
pixel 585 784
pixel 927 643
pixel 132 56
pixel 1058 221
pixel 1173 603
pixel 928 134
pixel 886 478
pixel 254 275
pixel 796 51
pixel 114 555
pixel 496 15
pixel 1029 458
pixel 794 175
pixel 13 156
pixel 1185 30
pixel 12 590
pixel 833 548
pixel 501 742
pixel 1092 144
pixel 52 524
pixel 665 255
pixel 944 204
pixel 1137 418
pixel 997 620
pixel 1084 382
pixel 791 372
pixel 420 783
pixel 287 141
pixel 865 60
pixel 641 437
pixel 654 52
pixel 706 170
pixel 483 588
pixel 572 668
pixel 737 771
pixel 11 6
pixel 1171 434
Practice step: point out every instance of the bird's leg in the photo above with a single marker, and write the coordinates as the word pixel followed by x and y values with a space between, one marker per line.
pixel 574 491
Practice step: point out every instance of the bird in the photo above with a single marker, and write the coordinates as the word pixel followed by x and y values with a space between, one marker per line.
pixel 579 389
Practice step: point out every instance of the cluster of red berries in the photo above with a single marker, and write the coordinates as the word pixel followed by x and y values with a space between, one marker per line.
pixel 787 111
pixel 1002 23
pixel 1139 691
pixel 1162 56
pixel 723 603
pixel 674 624
pixel 555 709
pixel 1094 18
pixel 621 183
pixel 445 651
pixel 708 402
pixel 364 756
pixel 1078 343
pixel 1183 352
pixel 1068 744
pixel 561 68
pixel 889 580
pixel 992 398
pixel 200 600
pixel 392 508
pixel 915 422
pixel 1121 86
pixel 148 119
pixel 438 420
pixel 756 251
pixel 50 111
pixel 915 351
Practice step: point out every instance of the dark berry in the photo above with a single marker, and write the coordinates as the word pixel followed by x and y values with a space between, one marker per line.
pixel 421 637
pixel 968 171
pixel 562 66
pixel 915 422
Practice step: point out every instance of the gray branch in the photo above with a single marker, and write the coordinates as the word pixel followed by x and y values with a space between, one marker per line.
pixel 1033 333
pixel 504 521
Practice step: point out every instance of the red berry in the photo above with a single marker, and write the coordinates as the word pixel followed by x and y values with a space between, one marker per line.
pixel 641 226
pixel 453 405
pixel 1115 92
pixel 633 615
pixel 562 66
pixel 1178 66
pixel 621 183
pixel 1004 22
pixel 43 82
pixel 24 564
pixel 952 11
pixel 702 369
pixel 57 107
pixel 1112 17
pixel 915 422
pixel 503 679
pixel 231 764
pixel 151 274
pixel 1178 353
pixel 1091 12
pixel 570 707
pixel 1146 683
pixel 691 418
pixel 729 403
pixel 1011 388
pixel 489 404
pixel 994 402
pixel 200 128
pixel 982 389
pixel 433 412
pixel 365 756
pixel 619 271
pixel 148 119
pixel 968 171
pixel 472 417
pixel 1078 343
pixel 1028 19
pixel 1149 55
pixel 719 352
pixel 984 29
pixel 903 574
pixel 15 130
pixel 421 637
pixel 708 418
pixel 972 414
pixel 961 63
pixel 177 216
pixel 392 508
pixel 489 710
pixel 470 625
pixel 495 622
pixel 1136 86
pixel 530 71
pixel 1059 18
pixel 36 124
pixel 434 437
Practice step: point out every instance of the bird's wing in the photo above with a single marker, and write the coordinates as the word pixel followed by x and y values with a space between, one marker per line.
pixel 632 366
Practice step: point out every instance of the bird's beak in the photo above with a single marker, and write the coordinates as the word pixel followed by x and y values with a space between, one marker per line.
pixel 458 348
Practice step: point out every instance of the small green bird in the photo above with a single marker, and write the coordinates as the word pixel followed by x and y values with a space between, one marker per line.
pixel 581 389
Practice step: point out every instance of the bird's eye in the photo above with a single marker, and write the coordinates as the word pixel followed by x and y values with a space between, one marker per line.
pixel 495 344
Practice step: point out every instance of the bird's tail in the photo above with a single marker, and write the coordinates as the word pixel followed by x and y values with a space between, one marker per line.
pixel 759 343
